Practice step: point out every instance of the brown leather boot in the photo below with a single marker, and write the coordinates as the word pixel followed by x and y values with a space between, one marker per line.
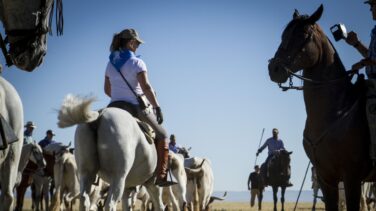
pixel 162 164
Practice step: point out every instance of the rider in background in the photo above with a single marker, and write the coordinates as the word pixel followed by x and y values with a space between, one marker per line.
pixel 368 61
pixel 275 145
pixel 47 140
pixel 28 133
pixel 123 94
pixel 172 145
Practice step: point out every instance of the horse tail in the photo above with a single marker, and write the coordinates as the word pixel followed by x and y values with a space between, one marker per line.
pixel 76 110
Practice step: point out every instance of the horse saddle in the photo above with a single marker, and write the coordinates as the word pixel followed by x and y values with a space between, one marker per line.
pixel 7 135
pixel 147 130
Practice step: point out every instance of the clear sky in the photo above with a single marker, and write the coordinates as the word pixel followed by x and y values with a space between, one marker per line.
pixel 207 61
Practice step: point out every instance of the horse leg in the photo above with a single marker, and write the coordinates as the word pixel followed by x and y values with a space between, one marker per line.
pixel 283 190
pixel 86 180
pixel 275 199
pixel 352 192
pixel 315 192
pixel 330 193
pixel 8 175
pixel 115 192
pixel 20 190
pixel 129 199
pixel 156 196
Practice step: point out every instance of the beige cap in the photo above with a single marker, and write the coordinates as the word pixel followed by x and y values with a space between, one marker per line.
pixel 30 124
pixel 130 34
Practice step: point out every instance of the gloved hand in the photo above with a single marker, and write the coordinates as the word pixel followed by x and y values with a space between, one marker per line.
pixel 158 113
pixel 352 38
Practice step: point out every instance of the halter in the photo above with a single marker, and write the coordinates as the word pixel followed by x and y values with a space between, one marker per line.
pixel 46 9
pixel 291 60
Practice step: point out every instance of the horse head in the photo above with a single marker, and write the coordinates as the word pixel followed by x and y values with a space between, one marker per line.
pixel 36 155
pixel 280 163
pixel 26 24
pixel 185 152
pixel 300 46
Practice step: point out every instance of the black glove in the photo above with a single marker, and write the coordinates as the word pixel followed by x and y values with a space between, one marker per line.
pixel 258 152
pixel 158 113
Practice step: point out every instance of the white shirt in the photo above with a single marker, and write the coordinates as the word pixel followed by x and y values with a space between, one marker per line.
pixel 119 89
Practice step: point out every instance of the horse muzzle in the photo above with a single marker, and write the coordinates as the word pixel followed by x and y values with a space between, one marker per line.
pixel 277 71
pixel 28 57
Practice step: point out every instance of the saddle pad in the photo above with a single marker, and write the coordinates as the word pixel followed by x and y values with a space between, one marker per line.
pixel 7 135
pixel 147 130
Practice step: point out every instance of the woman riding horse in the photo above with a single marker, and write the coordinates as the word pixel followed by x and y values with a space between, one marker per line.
pixel 126 82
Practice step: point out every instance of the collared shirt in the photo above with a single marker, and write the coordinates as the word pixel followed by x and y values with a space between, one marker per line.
pixel 28 137
pixel 273 145
pixel 43 143
pixel 256 181
pixel 371 70
pixel 175 148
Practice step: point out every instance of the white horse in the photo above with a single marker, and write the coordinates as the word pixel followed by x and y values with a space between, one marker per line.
pixel 30 152
pixel 112 145
pixel 11 110
pixel 26 24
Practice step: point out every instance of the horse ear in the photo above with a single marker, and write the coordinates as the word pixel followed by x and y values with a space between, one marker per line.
pixel 316 15
pixel 290 153
pixel 296 14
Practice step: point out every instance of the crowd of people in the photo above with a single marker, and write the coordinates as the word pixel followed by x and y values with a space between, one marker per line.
pixel 28 135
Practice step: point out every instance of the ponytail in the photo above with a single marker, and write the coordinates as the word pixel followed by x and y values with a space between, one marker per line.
pixel 115 45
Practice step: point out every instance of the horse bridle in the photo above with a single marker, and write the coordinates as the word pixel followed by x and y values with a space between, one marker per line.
pixel 291 60
pixel 46 9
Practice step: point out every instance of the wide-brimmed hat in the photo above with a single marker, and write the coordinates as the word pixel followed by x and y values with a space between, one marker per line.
pixel 130 34
pixel 30 124
pixel 50 132
pixel 370 2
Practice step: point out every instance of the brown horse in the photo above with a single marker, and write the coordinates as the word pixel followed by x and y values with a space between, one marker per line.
pixel 26 180
pixel 336 135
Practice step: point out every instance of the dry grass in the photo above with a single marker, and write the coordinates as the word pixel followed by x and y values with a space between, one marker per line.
pixel 235 206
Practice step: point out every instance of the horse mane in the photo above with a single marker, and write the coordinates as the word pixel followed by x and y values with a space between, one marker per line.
pixel 53 148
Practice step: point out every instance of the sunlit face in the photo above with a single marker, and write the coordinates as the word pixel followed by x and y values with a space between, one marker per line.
pixel 133 45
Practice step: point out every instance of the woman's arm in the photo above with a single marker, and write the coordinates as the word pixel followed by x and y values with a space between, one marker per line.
pixel 146 87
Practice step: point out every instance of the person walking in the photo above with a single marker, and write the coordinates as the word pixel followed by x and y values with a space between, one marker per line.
pixel 257 186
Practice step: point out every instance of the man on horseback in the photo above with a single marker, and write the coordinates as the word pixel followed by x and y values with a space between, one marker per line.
pixel 369 61
pixel 275 145
pixel 47 140
pixel 127 83
pixel 172 145
pixel 28 133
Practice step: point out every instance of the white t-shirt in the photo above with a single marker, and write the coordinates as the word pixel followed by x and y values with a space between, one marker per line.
pixel 119 89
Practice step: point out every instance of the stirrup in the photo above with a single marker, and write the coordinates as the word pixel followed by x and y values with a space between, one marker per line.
pixel 163 183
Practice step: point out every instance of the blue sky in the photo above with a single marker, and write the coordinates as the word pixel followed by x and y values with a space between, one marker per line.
pixel 207 61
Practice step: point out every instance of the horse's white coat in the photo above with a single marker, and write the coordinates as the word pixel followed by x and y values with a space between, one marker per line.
pixel 117 151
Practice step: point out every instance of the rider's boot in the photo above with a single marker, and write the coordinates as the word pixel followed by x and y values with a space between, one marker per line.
pixel 371 115
pixel 162 164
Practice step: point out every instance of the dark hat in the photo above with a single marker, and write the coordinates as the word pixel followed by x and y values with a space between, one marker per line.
pixel 130 34
pixel 30 124
pixel 50 132
pixel 257 166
